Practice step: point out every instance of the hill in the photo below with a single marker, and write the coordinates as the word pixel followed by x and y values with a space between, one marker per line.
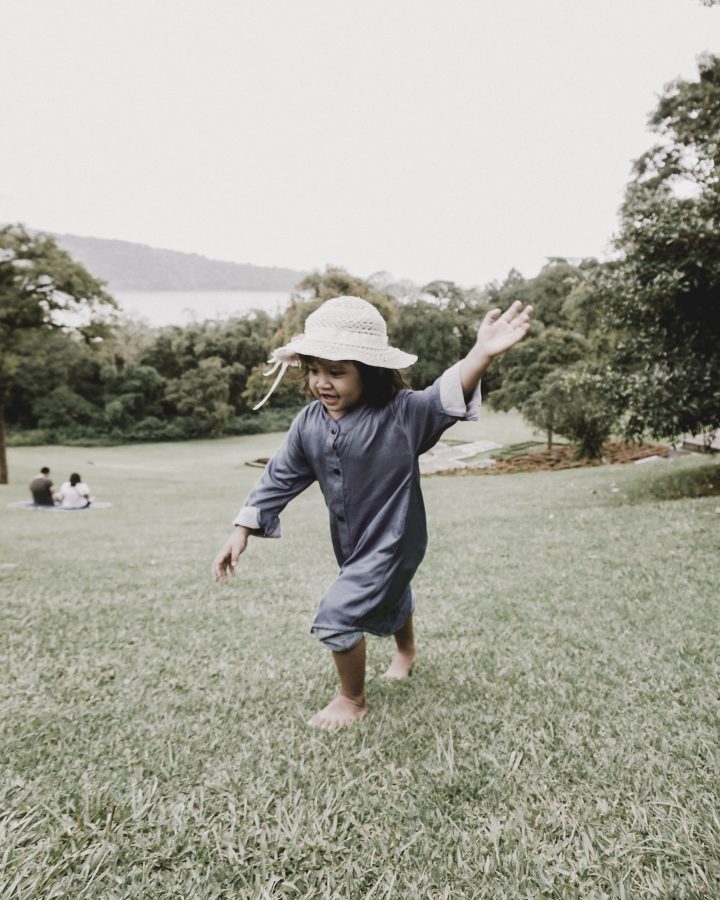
pixel 556 738
pixel 127 266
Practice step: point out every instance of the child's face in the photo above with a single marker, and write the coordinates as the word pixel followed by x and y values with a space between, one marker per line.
pixel 337 385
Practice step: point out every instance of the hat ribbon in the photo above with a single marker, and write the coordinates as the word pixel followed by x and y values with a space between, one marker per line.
pixel 283 369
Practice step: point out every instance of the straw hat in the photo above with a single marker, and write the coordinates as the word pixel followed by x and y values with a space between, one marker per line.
pixel 342 328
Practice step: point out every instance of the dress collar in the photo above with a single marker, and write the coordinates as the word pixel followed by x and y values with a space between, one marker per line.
pixel 346 422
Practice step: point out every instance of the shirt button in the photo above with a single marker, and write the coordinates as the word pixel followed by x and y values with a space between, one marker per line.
pixel 341 518
pixel 333 431
pixel 336 471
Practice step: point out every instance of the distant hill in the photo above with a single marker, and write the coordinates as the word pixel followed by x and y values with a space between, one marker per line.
pixel 136 267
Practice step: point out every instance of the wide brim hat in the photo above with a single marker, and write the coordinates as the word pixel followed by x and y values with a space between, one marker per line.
pixel 342 328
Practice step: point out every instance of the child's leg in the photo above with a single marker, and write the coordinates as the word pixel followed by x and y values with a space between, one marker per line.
pixel 405 652
pixel 349 705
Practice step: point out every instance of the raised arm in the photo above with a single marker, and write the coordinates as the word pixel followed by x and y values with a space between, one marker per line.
pixel 498 332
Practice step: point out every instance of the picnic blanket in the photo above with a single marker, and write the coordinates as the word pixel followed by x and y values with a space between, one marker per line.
pixel 28 504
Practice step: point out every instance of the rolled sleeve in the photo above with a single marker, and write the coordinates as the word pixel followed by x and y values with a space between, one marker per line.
pixel 452 396
pixel 432 411
pixel 251 516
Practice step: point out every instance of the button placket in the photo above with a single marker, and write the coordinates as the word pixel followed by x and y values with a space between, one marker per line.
pixel 338 498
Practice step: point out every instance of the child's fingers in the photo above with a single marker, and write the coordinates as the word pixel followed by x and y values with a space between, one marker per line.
pixel 526 313
pixel 219 566
pixel 227 559
pixel 511 311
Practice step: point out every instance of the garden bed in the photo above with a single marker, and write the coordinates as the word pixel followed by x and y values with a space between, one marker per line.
pixel 560 458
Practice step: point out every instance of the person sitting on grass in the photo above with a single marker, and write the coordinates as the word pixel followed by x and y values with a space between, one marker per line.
pixel 361 439
pixel 42 488
pixel 74 494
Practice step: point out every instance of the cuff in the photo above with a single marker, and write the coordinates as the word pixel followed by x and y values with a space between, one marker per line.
pixel 249 516
pixel 452 398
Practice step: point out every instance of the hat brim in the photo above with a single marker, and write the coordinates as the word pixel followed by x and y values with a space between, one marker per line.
pixel 382 357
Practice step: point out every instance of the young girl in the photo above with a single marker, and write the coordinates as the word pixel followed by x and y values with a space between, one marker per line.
pixel 361 439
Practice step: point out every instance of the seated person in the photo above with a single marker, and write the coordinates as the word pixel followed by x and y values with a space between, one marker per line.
pixel 41 488
pixel 74 494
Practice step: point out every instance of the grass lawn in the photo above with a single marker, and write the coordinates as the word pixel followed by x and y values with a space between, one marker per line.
pixel 559 738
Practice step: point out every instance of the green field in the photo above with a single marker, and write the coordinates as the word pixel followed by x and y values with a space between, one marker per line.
pixel 559 738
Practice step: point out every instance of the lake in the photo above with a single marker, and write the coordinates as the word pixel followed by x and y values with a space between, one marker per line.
pixel 183 307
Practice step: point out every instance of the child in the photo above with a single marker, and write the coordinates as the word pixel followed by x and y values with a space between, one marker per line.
pixel 361 440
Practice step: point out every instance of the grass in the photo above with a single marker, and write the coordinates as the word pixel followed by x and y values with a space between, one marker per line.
pixel 558 739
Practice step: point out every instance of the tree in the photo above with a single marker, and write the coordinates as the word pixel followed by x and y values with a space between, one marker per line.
pixel 203 392
pixel 132 393
pixel 439 331
pixel 318 287
pixel 430 332
pixel 662 297
pixel 522 371
pixel 50 361
pixel 575 403
pixel 42 290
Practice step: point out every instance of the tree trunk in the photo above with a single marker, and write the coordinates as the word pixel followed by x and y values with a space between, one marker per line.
pixel 549 439
pixel 3 453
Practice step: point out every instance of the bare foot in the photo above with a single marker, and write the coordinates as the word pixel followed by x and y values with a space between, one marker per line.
pixel 401 667
pixel 338 713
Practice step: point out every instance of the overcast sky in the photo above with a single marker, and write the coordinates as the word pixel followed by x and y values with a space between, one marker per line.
pixel 431 138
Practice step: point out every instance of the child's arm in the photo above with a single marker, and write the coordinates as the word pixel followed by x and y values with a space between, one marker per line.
pixel 498 332
pixel 226 561
pixel 455 395
pixel 287 474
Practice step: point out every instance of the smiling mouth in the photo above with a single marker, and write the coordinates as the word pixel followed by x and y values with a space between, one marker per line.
pixel 327 398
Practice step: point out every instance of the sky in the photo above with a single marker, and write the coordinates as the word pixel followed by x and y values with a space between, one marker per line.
pixel 451 139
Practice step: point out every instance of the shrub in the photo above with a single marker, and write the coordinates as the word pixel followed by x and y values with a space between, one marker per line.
pixel 575 403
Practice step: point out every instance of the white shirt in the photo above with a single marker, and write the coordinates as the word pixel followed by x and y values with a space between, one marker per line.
pixel 75 497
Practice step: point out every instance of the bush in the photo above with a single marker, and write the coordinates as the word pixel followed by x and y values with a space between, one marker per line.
pixel 575 403
pixel 63 406
pixel 703 481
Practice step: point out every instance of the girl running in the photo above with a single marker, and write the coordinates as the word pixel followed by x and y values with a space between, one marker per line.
pixel 360 439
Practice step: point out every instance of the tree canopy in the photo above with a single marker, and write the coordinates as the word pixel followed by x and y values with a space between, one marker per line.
pixel 632 343
pixel 662 297
pixel 42 291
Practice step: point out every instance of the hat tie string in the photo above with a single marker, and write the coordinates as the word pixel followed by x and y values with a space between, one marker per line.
pixel 283 369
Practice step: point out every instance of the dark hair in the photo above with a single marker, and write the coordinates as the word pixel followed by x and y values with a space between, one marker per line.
pixel 74 479
pixel 45 470
pixel 380 385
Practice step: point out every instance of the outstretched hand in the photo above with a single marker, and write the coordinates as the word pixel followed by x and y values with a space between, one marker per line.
pixel 225 563
pixel 501 330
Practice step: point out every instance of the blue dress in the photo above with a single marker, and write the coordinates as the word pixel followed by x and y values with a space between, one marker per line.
pixel 366 464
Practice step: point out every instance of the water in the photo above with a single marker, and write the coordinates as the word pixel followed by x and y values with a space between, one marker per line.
pixel 184 307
